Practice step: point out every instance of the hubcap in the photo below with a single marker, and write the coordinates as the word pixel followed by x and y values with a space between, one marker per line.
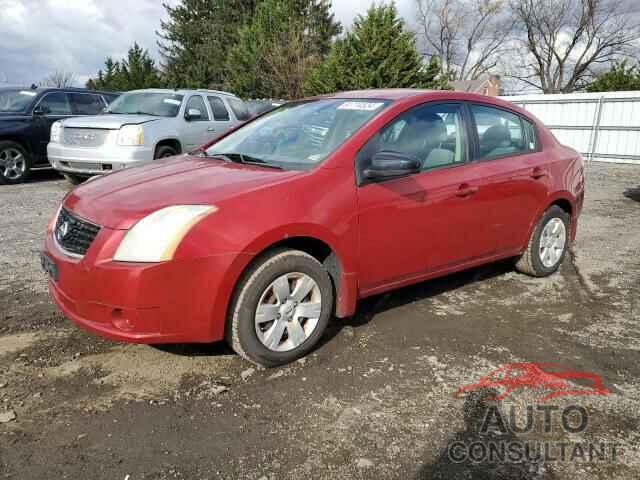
pixel 12 163
pixel 288 312
pixel 552 242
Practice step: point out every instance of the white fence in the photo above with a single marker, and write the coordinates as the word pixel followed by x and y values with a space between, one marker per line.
pixel 602 126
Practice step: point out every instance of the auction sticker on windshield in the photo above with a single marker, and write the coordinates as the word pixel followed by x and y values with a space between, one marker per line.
pixel 363 106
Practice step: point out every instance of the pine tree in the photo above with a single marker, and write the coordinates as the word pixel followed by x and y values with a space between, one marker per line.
pixel 377 53
pixel 138 70
pixel 196 38
pixel 277 49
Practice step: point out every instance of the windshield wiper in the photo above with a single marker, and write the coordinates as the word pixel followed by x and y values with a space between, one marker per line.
pixel 244 159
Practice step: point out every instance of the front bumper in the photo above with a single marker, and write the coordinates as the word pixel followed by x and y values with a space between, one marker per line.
pixel 96 161
pixel 171 302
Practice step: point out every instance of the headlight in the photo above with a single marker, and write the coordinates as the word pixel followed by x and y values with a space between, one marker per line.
pixel 130 136
pixel 156 237
pixel 56 132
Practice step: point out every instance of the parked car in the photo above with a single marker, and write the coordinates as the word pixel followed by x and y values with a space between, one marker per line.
pixel 266 233
pixel 258 107
pixel 26 115
pixel 141 126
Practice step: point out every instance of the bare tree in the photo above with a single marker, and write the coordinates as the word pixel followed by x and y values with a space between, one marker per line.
pixel 468 35
pixel 562 41
pixel 60 79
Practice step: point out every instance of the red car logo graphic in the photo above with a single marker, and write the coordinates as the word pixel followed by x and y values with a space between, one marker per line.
pixel 539 376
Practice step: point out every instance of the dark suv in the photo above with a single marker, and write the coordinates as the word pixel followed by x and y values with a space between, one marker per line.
pixel 26 116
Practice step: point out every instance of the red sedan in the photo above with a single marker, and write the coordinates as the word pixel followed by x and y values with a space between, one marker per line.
pixel 265 234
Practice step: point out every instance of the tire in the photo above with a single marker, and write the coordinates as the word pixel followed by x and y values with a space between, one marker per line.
pixel 15 163
pixel 256 288
pixel 74 179
pixel 164 151
pixel 533 262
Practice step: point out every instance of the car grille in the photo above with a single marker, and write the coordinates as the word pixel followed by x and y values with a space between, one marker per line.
pixel 73 234
pixel 85 137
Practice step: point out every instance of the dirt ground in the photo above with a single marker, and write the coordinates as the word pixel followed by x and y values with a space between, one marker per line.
pixel 376 400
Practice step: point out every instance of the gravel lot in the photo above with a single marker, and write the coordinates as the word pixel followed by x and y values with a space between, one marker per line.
pixel 376 400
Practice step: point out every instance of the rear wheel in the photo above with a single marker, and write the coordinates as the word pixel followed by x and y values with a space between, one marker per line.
pixel 164 151
pixel 15 163
pixel 281 308
pixel 548 244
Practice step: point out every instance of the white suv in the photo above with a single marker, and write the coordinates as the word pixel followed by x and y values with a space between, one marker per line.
pixel 140 126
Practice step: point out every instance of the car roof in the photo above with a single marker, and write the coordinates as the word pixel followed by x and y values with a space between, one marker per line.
pixel 400 94
pixel 57 89
pixel 183 91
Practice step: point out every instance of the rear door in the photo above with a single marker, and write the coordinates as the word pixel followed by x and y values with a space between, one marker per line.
pixel 515 172
pixel 222 120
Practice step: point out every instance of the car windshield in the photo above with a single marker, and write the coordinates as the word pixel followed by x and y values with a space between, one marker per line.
pixel 147 103
pixel 298 136
pixel 16 101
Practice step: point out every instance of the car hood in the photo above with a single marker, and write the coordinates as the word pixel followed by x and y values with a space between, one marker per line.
pixel 8 116
pixel 112 122
pixel 120 199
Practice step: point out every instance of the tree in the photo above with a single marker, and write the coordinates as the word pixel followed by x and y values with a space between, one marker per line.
pixel 468 36
pixel 137 71
pixel 196 39
pixel 619 78
pixel 562 40
pixel 60 79
pixel 377 53
pixel 279 47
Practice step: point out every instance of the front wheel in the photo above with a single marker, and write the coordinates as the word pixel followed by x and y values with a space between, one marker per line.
pixel 548 244
pixel 15 163
pixel 281 308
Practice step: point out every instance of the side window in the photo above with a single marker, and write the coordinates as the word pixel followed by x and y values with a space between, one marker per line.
pixel 110 97
pixel 196 102
pixel 220 113
pixel 86 104
pixel 239 109
pixel 57 103
pixel 499 132
pixel 432 133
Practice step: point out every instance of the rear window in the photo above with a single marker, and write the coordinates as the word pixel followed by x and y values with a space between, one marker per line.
pixel 501 133
pixel 239 109
pixel 86 103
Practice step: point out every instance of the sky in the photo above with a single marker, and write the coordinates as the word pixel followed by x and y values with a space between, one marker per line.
pixel 39 37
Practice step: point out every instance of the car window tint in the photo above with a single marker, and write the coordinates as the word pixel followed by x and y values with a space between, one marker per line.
pixel 196 102
pixel 110 97
pixel 239 109
pixel 57 103
pixel 434 134
pixel 86 104
pixel 220 113
pixel 499 132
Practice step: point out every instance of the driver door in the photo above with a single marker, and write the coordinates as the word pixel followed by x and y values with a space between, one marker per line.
pixel 428 221
pixel 54 106
pixel 195 132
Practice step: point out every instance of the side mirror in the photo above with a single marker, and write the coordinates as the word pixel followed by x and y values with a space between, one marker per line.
pixel 41 110
pixel 387 164
pixel 193 114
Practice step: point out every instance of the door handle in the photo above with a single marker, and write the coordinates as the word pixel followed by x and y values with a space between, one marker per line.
pixel 466 190
pixel 538 173
pixel 211 129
